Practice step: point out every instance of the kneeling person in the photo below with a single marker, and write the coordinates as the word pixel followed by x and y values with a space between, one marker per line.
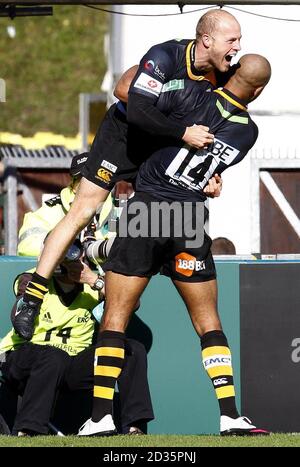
pixel 61 355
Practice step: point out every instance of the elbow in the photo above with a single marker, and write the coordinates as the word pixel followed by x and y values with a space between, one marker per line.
pixel 121 93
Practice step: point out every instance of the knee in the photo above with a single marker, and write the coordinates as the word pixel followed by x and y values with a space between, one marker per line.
pixel 113 319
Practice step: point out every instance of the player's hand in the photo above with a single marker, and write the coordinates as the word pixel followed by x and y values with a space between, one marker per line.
pixel 198 136
pixel 214 187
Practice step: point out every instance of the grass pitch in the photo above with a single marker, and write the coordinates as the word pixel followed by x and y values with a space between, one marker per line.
pixel 274 440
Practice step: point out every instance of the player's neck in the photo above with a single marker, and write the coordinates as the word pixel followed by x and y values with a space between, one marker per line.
pixel 237 91
pixel 201 58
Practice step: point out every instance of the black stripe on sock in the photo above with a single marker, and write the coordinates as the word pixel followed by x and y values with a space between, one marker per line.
pixel 106 381
pixel 228 407
pixel 107 335
pixel 212 339
pixel 110 361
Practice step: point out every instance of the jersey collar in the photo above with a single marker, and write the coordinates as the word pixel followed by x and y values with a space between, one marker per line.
pixel 190 59
pixel 234 100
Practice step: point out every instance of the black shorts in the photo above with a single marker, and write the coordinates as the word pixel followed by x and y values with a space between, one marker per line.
pixel 110 160
pixel 146 255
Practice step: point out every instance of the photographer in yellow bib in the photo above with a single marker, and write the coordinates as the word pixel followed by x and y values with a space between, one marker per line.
pixel 60 355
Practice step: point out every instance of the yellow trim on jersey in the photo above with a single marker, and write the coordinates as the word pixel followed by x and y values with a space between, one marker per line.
pixel 229 99
pixel 109 352
pixel 225 391
pixel 103 392
pixel 215 350
pixel 102 370
pixel 219 371
pixel 189 64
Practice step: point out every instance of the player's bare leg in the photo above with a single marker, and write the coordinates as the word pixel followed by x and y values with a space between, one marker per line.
pixel 89 197
pixel 201 301
pixel 122 294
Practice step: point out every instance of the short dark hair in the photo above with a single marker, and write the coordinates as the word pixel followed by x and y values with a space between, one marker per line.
pixel 222 246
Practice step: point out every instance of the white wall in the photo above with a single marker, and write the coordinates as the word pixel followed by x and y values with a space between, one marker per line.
pixel 229 215
pixel 232 214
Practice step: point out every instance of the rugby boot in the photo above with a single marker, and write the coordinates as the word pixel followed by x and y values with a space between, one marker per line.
pixel 240 426
pixel 105 427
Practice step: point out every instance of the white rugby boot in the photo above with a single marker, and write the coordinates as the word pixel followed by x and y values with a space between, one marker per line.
pixel 105 427
pixel 240 426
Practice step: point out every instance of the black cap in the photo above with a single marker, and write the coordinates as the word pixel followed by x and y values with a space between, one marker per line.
pixel 77 164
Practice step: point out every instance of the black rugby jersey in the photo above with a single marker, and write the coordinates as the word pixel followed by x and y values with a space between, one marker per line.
pixel 164 62
pixel 176 171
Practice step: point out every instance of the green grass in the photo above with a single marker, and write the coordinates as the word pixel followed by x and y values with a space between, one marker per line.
pixel 274 440
pixel 49 62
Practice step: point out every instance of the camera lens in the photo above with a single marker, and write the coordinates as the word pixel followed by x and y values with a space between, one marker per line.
pixel 73 253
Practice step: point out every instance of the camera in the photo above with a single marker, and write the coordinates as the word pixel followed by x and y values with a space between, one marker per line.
pixel 75 251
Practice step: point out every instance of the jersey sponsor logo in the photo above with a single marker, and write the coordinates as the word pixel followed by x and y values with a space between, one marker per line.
pixel 219 381
pixel 223 151
pixel 173 85
pixel 186 264
pixel 85 318
pixel 173 182
pixel 151 67
pixel 82 160
pixel 159 73
pixel 109 166
pixel 104 175
pixel 66 348
pixel 152 83
pixel 217 360
pixel 47 317
pixel 148 84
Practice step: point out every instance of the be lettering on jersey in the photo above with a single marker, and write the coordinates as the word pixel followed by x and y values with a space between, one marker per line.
pixel 223 151
pixel 148 84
